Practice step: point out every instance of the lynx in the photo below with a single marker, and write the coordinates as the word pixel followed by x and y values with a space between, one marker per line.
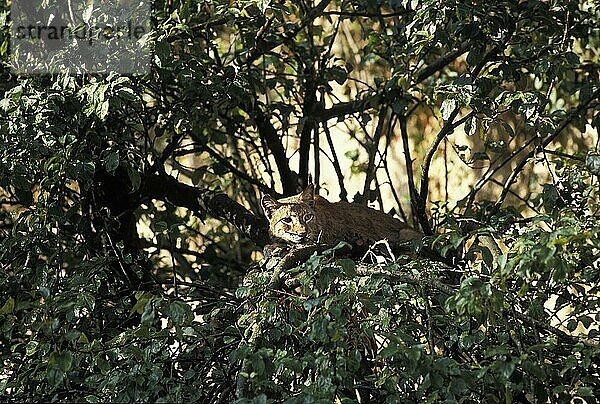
pixel 307 218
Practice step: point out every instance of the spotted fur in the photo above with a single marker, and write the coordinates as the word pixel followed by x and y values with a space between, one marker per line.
pixel 307 218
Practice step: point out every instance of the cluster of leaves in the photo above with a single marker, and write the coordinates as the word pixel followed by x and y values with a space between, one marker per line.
pixel 85 309
pixel 328 329
pixel 402 331
pixel 507 332
pixel 88 343
pixel 341 334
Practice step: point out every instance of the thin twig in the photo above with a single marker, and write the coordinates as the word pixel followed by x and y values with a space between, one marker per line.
pixel 565 122
pixel 336 163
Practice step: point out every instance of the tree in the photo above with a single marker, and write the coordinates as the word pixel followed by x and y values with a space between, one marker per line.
pixel 130 207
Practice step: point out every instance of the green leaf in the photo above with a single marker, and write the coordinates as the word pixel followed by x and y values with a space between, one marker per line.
pixel 134 178
pixel 72 335
pixel 31 348
pixel 54 375
pixel 550 197
pixel 102 364
pixel 505 368
pixel 142 300
pixel 44 291
pixel 352 154
pixel 87 13
pixel 448 106
pixel 242 292
pixel 149 313
pixel 592 162
pixel 585 392
pixel 471 126
pixel 83 339
pixel 64 360
pixel 103 111
pixel 500 262
pixel 111 162
pixel 8 307
pixel 179 312
pixel 587 321
pixel 160 227
pixel 348 266
pixel 339 75
pixel 263 5
pixel 258 365
pixel 162 51
pixel 387 352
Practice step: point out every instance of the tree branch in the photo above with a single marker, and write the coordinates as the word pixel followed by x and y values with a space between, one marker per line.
pixel 412 189
pixel 366 14
pixel 441 62
pixel 564 123
pixel 308 112
pixel 372 150
pixel 341 109
pixel 268 134
pixel 424 189
pixel 347 108
pixel 336 164
pixel 234 170
pixel 263 47
pixel 166 188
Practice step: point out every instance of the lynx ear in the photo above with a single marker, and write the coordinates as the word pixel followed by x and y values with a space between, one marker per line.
pixel 269 205
pixel 308 195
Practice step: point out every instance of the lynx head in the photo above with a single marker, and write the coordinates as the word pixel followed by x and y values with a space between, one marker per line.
pixel 293 219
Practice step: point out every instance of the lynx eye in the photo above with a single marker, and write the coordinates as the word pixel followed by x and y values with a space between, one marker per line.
pixel 287 220
pixel 308 217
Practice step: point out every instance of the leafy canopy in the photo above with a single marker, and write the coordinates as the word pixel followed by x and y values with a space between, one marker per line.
pixel 127 225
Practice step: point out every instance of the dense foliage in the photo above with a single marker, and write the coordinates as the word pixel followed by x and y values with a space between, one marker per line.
pixel 128 240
